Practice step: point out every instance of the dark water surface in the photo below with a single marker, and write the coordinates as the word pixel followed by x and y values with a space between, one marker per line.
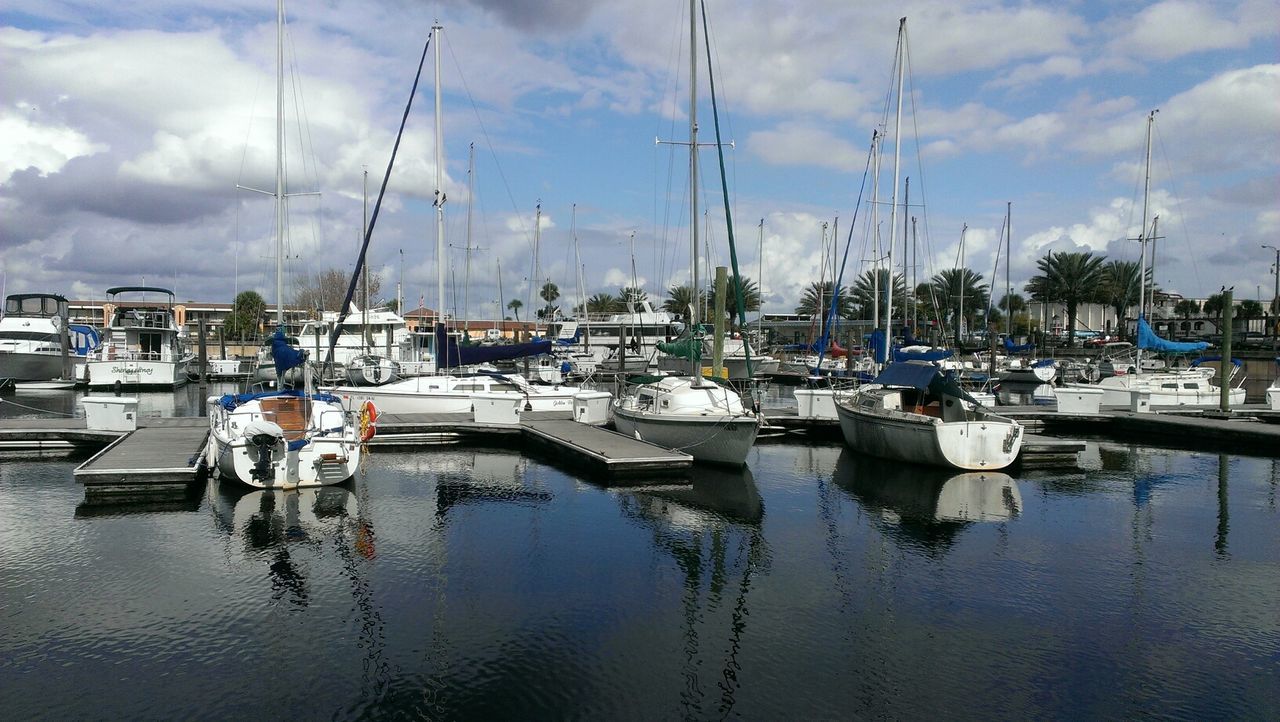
pixel 473 583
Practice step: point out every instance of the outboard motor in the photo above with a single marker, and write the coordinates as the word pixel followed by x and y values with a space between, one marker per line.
pixel 263 435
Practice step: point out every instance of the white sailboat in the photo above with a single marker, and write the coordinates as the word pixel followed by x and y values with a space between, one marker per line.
pixel 690 413
pixel 285 439
pixel 143 345
pixel 913 411
pixel 443 393
pixel 1166 386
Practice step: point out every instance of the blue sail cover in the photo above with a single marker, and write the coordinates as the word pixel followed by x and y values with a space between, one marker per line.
pixel 577 336
pixel 1148 340
pixel 876 341
pixel 1011 347
pixel 450 355
pixel 284 355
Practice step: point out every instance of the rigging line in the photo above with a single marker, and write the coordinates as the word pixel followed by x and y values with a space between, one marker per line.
pixel 306 145
pixel 672 83
pixel 515 207
pixel 377 207
pixel 835 295
pixel 1186 236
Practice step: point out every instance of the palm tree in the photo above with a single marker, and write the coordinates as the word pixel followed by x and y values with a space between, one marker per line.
pixel 549 293
pixel 632 295
pixel 750 298
pixel 1120 289
pixel 680 298
pixel 1186 307
pixel 863 297
pixel 1071 279
pixel 954 284
pixel 515 305
pixel 1249 309
pixel 603 303
pixel 816 300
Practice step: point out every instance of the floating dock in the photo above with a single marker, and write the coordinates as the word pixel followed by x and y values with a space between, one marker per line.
pixel 154 461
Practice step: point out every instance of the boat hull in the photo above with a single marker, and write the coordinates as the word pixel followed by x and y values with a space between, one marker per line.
pixel 1118 391
pixel 137 373
pixel 390 401
pixel 29 366
pixel 970 445
pixel 714 439
pixel 324 460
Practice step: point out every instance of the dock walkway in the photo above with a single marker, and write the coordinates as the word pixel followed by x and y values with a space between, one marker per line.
pixel 153 460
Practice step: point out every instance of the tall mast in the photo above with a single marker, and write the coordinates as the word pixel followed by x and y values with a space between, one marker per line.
pixel 1155 235
pixel 537 269
pixel 893 205
pixel 440 198
pixel 875 230
pixel 280 209
pixel 1142 238
pixel 693 176
pixel 471 194
pixel 364 279
pixel 1008 261
pixel 964 229
pixel 906 253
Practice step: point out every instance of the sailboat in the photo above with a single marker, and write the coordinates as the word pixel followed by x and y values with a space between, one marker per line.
pixel 287 438
pixel 705 419
pixel 1166 386
pixel 444 393
pixel 369 368
pixel 914 411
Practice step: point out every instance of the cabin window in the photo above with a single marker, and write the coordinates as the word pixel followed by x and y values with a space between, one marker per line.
pixel 149 343
pixel 1168 386
pixel 1189 386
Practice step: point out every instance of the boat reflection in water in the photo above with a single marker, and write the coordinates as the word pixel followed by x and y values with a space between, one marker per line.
pixel 711 529
pixel 926 505
pixel 484 477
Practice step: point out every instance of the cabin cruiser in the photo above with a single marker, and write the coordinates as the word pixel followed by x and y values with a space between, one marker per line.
pixel 143 344
pixel 38 344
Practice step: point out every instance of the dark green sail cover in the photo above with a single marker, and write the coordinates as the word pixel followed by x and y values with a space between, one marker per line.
pixel 685 348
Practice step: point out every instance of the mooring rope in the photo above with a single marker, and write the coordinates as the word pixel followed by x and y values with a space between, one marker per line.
pixel 33 408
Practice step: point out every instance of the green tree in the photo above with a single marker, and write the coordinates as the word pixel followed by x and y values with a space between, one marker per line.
pixel 1212 307
pixel 603 303
pixel 630 295
pixel 1249 309
pixel 244 322
pixel 1070 279
pixel 863 297
pixel 750 298
pixel 548 293
pixel 955 286
pixel 680 298
pixel 1186 307
pixel 515 305
pixel 1120 289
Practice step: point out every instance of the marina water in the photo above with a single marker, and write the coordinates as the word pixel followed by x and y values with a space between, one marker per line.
pixel 459 582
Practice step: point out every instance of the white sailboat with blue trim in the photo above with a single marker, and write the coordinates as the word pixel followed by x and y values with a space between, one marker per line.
pixel 288 438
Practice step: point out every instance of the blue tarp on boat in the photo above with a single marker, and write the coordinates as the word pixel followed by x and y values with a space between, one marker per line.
pixel 284 355
pixel 1149 341
pixel 450 355
pixel 1011 347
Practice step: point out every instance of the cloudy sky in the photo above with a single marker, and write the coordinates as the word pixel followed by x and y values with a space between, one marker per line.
pixel 127 128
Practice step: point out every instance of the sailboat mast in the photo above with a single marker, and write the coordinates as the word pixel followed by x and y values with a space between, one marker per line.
pixel 906 252
pixel 1142 238
pixel 537 269
pixel 1008 261
pixel 875 231
pixel 964 229
pixel 893 204
pixel 435 41
pixel 693 177
pixel 471 194
pixel 280 209
pixel 364 279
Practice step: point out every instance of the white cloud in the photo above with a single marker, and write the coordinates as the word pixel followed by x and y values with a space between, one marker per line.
pixel 47 148
pixel 1174 28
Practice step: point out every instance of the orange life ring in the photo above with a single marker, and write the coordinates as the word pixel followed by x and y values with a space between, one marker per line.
pixel 368 421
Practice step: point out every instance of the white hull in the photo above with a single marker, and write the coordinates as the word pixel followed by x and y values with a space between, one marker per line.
pixel 326 459
pixel 32 366
pixel 1171 389
pixel 432 395
pixel 989 443
pixel 130 372
pixel 716 439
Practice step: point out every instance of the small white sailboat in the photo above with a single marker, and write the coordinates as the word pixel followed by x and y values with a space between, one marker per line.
pixel 914 412
pixel 690 413
pixel 143 345
pixel 285 439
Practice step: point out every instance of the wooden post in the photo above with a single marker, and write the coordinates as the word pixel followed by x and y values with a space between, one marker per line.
pixel 717 345
pixel 204 353
pixel 1225 380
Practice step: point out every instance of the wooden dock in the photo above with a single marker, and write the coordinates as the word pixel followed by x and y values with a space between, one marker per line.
pixel 159 460
pixel 605 451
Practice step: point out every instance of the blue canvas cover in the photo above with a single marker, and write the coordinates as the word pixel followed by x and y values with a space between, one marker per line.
pixel 284 355
pixel 924 376
pixel 1011 347
pixel 450 355
pixel 1148 340
pixel 935 355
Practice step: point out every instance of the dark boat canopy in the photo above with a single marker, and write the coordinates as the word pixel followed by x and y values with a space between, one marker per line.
pixel 35 304
pixel 139 289
pixel 924 376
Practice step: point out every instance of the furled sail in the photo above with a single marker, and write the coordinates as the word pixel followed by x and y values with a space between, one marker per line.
pixel 450 355
pixel 1149 341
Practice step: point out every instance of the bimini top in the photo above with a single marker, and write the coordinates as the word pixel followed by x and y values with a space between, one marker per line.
pixel 921 375
pixel 139 289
